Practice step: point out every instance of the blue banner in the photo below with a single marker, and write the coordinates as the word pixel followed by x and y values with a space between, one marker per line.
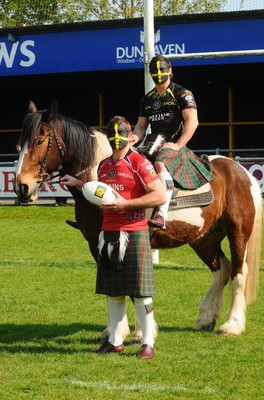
pixel 123 48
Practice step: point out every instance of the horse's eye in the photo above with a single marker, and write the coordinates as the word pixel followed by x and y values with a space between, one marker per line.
pixel 39 142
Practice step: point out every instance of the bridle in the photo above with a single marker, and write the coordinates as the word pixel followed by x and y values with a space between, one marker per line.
pixel 44 177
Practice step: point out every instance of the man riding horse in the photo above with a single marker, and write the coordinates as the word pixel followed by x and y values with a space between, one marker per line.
pixel 171 111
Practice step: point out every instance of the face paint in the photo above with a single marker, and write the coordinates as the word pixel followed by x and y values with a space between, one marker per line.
pixel 160 72
pixel 119 138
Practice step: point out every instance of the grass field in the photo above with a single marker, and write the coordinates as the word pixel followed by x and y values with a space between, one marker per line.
pixel 51 320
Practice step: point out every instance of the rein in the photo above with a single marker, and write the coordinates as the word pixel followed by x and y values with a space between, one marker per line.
pixel 75 176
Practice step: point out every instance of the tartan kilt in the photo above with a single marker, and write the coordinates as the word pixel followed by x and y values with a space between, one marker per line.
pixel 136 277
pixel 187 169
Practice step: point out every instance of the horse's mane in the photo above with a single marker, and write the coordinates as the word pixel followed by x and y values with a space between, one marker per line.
pixel 85 146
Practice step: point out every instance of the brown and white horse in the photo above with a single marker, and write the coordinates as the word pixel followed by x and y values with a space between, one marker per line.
pixel 51 141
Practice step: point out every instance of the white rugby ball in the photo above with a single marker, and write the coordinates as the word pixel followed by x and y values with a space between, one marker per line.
pixel 98 192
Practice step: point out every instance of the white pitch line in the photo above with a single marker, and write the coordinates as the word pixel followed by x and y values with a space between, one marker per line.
pixel 135 387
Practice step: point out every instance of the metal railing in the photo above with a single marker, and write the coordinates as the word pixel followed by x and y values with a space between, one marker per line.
pixel 216 151
pixel 219 151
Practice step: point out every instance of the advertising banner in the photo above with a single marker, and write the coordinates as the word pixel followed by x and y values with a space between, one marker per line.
pixel 257 170
pixel 123 48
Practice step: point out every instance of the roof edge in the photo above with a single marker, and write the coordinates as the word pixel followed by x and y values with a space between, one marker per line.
pixel 106 24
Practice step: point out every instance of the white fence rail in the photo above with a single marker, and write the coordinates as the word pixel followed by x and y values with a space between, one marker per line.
pixel 255 165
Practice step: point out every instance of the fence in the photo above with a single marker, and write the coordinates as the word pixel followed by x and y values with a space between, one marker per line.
pixel 255 165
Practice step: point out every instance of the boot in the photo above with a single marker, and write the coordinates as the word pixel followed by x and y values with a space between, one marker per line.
pixel 161 216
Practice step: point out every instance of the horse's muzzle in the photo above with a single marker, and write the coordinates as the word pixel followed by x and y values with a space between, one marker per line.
pixel 24 193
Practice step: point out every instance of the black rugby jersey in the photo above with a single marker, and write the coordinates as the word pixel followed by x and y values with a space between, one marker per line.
pixel 164 110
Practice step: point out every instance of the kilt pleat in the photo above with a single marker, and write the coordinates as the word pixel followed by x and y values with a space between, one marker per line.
pixel 136 277
pixel 187 169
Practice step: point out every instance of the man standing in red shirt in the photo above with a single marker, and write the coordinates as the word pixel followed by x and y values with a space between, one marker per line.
pixel 125 260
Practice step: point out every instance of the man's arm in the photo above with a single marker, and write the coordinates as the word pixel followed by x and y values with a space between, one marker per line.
pixel 155 196
pixel 140 129
pixel 69 180
pixel 191 122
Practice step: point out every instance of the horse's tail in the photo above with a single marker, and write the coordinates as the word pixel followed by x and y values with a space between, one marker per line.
pixel 254 245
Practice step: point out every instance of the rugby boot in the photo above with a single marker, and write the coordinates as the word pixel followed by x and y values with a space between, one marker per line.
pixel 108 347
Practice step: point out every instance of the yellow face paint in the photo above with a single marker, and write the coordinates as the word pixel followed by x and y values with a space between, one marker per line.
pixel 161 73
pixel 116 140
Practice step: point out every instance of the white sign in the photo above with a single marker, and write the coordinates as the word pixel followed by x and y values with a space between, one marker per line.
pixel 48 190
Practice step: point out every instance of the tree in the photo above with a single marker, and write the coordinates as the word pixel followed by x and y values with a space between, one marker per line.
pixel 39 12
pixel 177 7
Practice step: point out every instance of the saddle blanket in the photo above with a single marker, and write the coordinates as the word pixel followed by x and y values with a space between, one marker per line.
pixel 192 198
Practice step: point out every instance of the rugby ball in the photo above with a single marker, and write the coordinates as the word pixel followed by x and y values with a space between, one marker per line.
pixel 98 192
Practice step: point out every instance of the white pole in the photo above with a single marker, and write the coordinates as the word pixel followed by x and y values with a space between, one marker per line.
pixel 149 51
pixel 216 54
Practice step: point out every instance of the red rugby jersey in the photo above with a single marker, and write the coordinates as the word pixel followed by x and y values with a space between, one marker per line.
pixel 128 177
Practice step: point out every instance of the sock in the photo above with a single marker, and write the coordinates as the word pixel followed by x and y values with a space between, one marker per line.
pixel 167 181
pixel 145 315
pixel 117 311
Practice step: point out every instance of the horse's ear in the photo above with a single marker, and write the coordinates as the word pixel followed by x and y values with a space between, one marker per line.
pixel 31 107
pixel 50 116
pixel 53 111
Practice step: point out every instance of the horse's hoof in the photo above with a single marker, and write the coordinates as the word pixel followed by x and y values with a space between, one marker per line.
pixel 135 341
pixel 208 328
pixel 73 224
pixel 231 329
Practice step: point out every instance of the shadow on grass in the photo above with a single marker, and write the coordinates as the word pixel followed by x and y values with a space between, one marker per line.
pixel 188 329
pixel 61 339
pixel 176 329
pixel 40 338
pixel 170 266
